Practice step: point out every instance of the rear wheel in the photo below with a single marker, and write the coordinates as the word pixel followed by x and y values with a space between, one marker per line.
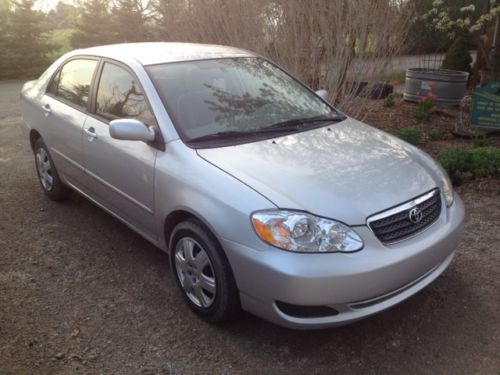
pixel 202 272
pixel 47 173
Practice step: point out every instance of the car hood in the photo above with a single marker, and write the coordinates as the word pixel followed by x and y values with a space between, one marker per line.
pixel 346 171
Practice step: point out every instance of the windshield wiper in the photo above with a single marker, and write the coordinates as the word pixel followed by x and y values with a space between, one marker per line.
pixel 229 134
pixel 280 127
pixel 299 123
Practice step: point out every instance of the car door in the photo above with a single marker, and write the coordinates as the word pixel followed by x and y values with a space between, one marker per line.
pixel 120 173
pixel 64 108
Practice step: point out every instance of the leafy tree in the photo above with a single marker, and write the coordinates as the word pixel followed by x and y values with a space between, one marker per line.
pixel 4 54
pixel 93 25
pixel 64 16
pixel 129 21
pixel 454 16
pixel 477 18
pixel 422 38
pixel 458 56
pixel 168 17
pixel 4 10
pixel 23 44
pixel 4 13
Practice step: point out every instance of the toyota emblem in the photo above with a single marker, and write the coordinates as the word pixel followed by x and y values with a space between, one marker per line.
pixel 415 215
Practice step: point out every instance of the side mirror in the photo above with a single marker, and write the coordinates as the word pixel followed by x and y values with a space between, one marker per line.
pixel 323 94
pixel 131 130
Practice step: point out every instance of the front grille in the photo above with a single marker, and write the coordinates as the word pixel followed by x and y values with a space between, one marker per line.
pixel 395 224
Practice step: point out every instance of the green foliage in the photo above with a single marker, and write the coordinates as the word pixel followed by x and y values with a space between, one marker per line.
pixel 425 109
pixel 23 44
pixel 60 38
pixel 129 23
pixel 425 39
pixel 93 25
pixel 410 135
pixel 461 16
pixel 389 101
pixel 64 16
pixel 435 134
pixel 458 56
pixel 475 162
pixel 479 141
pixel 100 23
pixel 4 11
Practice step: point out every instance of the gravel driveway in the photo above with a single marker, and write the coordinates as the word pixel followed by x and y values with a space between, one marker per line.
pixel 81 293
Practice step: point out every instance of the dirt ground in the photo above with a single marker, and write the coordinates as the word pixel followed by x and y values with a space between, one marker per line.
pixel 81 293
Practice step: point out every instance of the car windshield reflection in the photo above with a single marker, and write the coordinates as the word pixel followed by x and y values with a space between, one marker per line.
pixel 215 97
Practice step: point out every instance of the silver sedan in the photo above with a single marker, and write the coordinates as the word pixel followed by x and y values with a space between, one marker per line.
pixel 265 196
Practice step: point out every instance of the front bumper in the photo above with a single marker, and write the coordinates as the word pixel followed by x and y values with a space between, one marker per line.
pixel 356 285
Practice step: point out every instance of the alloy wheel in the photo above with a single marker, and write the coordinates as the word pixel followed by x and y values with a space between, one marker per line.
pixel 44 169
pixel 195 272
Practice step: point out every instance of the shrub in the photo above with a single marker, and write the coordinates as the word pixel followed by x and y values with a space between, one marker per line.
pixel 410 135
pixel 456 161
pixel 475 162
pixel 458 57
pixel 389 101
pixel 425 109
pixel 435 134
pixel 479 141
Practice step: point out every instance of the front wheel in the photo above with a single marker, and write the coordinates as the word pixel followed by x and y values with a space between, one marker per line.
pixel 47 173
pixel 202 272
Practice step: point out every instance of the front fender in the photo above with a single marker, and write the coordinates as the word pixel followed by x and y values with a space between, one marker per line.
pixel 184 181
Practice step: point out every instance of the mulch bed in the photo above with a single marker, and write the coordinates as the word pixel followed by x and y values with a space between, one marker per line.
pixel 402 115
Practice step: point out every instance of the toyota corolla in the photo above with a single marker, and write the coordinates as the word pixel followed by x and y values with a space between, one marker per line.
pixel 265 196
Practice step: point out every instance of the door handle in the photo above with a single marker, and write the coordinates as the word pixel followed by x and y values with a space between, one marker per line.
pixel 90 133
pixel 46 109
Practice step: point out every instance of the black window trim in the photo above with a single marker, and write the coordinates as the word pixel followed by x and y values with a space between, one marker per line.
pixel 52 79
pixel 93 95
pixel 159 141
pixel 58 70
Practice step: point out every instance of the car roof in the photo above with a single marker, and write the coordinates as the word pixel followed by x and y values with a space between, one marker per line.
pixel 162 52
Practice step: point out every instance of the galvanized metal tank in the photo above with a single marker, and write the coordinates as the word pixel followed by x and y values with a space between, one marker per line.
pixel 445 86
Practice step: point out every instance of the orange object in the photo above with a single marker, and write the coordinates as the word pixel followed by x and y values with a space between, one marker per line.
pixel 263 231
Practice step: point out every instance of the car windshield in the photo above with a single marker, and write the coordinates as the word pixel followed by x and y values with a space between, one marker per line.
pixel 247 97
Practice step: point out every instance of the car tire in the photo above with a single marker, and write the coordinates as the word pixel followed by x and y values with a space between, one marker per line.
pixel 48 177
pixel 202 272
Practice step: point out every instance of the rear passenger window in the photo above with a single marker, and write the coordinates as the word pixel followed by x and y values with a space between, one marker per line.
pixel 119 96
pixel 73 81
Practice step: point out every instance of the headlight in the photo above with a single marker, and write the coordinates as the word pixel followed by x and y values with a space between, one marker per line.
pixel 446 186
pixel 304 233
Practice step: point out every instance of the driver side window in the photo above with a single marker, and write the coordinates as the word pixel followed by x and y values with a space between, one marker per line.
pixel 119 96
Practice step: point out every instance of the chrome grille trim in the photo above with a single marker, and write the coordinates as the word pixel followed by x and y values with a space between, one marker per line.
pixel 393 222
